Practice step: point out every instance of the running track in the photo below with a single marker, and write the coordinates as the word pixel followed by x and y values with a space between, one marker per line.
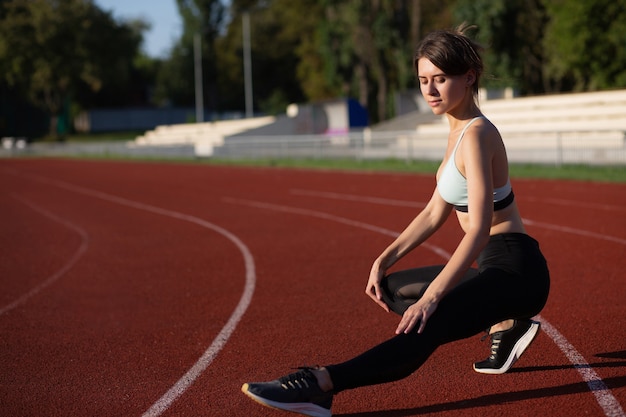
pixel 146 289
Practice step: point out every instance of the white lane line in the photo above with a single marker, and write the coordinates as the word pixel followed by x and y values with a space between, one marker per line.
pixel 565 229
pixel 321 215
pixel 402 203
pixel 605 398
pixel 607 401
pixel 570 203
pixel 80 251
pixel 220 340
pixel 359 198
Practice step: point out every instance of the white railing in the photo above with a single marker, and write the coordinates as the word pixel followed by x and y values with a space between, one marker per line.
pixel 596 147
pixel 587 147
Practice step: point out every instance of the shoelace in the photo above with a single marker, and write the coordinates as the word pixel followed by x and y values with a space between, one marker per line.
pixel 495 343
pixel 298 380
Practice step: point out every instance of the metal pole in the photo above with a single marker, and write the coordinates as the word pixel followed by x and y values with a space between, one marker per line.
pixel 559 150
pixel 247 63
pixel 197 51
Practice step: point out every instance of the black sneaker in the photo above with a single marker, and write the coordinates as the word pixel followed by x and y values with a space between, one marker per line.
pixel 507 346
pixel 298 392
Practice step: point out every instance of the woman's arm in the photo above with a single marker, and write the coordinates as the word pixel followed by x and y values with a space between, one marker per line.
pixel 421 228
pixel 476 153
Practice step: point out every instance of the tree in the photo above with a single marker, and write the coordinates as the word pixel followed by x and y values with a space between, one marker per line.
pixel 511 31
pixel 540 46
pixel 365 49
pixel 130 82
pixel 55 51
pixel 278 30
pixel 585 45
pixel 176 76
pixel 313 50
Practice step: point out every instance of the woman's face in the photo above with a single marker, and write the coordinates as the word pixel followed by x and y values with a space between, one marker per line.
pixel 443 93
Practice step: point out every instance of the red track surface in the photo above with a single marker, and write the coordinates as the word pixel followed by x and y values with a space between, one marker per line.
pixel 117 279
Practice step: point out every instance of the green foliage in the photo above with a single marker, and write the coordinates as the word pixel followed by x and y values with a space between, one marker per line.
pixel 511 32
pixel 278 29
pixel 362 50
pixel 55 52
pixel 540 46
pixel 175 79
pixel 585 43
pixel 71 55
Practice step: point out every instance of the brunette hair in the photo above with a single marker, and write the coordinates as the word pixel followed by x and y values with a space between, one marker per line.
pixel 452 51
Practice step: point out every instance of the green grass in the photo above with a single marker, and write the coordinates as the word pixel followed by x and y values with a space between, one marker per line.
pixel 564 172
pixel 570 172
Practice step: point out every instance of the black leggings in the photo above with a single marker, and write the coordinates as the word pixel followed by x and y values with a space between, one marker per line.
pixel 511 282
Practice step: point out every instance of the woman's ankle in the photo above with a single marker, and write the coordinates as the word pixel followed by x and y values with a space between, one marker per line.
pixel 502 326
pixel 323 379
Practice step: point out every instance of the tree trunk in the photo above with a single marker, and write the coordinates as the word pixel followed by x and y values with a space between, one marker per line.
pixel 361 75
pixel 416 21
pixel 382 96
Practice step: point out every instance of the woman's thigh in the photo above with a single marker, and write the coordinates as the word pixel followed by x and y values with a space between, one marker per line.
pixel 403 288
pixel 479 300
pixel 489 298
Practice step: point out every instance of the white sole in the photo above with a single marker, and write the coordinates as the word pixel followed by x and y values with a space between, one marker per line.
pixel 308 409
pixel 517 351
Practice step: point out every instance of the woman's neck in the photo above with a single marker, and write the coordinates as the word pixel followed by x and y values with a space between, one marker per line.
pixel 459 117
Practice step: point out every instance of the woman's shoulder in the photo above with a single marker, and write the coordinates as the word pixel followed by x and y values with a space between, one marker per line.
pixel 484 124
pixel 483 129
pixel 482 136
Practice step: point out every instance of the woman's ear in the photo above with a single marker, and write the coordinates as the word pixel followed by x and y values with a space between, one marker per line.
pixel 471 77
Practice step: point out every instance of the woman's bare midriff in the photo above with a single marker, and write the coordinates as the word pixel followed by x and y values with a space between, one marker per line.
pixel 507 220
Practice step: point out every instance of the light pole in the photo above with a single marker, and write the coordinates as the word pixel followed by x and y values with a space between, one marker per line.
pixel 247 63
pixel 197 52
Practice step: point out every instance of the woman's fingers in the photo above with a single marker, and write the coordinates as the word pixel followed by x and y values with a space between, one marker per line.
pixel 374 292
pixel 415 314
pixel 422 324
pixel 407 323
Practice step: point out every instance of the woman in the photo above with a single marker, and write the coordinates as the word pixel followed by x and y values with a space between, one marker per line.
pixel 451 302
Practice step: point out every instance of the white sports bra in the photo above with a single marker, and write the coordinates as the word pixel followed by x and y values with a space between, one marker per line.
pixel 452 185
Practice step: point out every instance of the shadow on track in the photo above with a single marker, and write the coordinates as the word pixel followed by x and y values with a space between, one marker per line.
pixel 618 364
pixel 493 399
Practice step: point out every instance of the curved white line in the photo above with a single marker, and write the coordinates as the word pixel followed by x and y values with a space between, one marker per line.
pixel 359 198
pixel 322 215
pixel 565 229
pixel 220 340
pixel 402 203
pixel 581 204
pixel 84 244
pixel 606 400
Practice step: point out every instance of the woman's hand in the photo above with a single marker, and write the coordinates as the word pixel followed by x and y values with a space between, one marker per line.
pixel 373 286
pixel 419 312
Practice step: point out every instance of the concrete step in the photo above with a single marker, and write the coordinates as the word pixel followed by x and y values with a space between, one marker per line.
pixel 213 132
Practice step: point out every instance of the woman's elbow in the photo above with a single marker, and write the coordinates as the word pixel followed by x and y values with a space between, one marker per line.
pixel 480 233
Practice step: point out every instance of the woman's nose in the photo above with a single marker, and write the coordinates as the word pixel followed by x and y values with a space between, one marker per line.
pixel 429 89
